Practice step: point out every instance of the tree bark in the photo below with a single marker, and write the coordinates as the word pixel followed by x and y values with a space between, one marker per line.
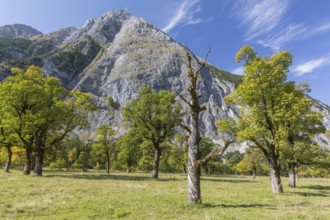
pixel 156 162
pixel 9 156
pixel 33 161
pixel 194 166
pixel 194 189
pixel 108 163
pixel 28 155
pixel 254 173
pixel 275 178
pixel 184 168
pixel 292 175
pixel 37 166
pixel 38 163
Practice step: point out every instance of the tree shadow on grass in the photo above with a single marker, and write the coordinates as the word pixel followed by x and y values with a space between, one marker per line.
pixel 122 177
pixel 227 180
pixel 248 206
pixel 317 187
pixel 309 194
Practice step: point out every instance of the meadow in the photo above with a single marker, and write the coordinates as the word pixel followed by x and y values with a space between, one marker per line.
pixel 90 195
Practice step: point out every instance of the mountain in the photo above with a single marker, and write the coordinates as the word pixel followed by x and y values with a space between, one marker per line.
pixel 114 56
pixel 18 31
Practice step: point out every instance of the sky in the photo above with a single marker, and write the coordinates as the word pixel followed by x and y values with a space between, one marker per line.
pixel 269 26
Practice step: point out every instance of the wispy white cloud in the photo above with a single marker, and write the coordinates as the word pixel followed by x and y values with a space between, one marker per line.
pixel 260 16
pixel 238 71
pixel 311 65
pixel 267 22
pixel 185 15
pixel 318 29
pixel 281 37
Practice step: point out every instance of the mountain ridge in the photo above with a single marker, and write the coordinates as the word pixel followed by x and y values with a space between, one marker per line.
pixel 18 31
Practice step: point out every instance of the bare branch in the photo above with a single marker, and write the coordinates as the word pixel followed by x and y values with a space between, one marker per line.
pixel 185 128
pixel 184 99
pixel 204 62
pixel 217 153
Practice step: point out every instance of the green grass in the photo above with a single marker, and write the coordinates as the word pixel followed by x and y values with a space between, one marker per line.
pixel 76 195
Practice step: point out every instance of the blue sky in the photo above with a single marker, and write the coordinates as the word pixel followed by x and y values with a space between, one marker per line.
pixel 300 26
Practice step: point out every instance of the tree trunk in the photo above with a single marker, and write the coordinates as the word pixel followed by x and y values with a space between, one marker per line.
pixel 194 168
pixel 27 167
pixel 297 173
pixel 108 162
pixel 33 161
pixel 275 177
pixel 156 162
pixel 254 173
pixel 194 189
pixel 206 168
pixel 39 162
pixel 292 175
pixel 9 156
pixel 184 168
pixel 128 170
pixel 37 166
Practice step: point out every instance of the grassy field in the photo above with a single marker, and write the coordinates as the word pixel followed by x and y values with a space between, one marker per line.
pixel 76 195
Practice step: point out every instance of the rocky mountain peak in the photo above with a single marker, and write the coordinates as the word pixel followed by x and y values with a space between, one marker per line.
pixel 18 31
pixel 104 28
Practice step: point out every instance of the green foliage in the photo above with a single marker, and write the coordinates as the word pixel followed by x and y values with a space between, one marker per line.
pixel 104 145
pixel 129 150
pixel 228 126
pixel 154 115
pixel 231 161
pixel 82 162
pixel 254 160
pixel 111 102
pixel 66 153
pixel 59 163
pixel 319 170
pixel 18 156
pixel 146 161
pixel 206 146
pixel 3 155
pixel 179 153
pixel 328 133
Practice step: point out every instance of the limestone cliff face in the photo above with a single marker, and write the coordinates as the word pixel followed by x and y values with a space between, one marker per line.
pixel 115 55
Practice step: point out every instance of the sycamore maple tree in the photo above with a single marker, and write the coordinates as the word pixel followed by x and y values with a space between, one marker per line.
pixel 154 116
pixel 104 145
pixel 275 114
pixel 40 112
